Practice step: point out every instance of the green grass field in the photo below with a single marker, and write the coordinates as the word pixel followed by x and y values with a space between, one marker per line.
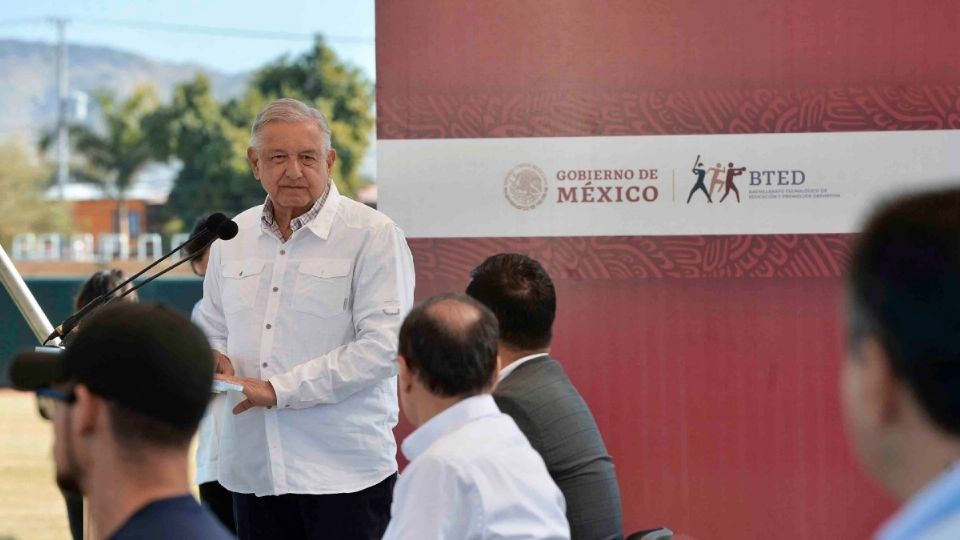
pixel 31 507
pixel 30 503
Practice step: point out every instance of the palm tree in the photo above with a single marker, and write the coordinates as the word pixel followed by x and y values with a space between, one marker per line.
pixel 114 155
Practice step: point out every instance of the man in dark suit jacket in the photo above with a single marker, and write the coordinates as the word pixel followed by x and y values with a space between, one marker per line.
pixel 534 390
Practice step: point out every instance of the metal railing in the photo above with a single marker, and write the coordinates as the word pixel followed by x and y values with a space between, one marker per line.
pixel 82 248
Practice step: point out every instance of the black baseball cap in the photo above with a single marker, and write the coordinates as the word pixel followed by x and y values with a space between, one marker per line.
pixel 145 358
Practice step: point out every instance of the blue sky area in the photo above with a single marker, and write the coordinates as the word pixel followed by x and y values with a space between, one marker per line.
pixel 230 36
pixel 254 32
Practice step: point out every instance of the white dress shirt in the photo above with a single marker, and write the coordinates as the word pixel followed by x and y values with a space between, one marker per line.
pixel 931 514
pixel 318 317
pixel 208 434
pixel 473 475
pixel 517 363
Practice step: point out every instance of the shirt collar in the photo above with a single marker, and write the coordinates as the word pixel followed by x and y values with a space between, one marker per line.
pixel 523 360
pixel 318 219
pixel 935 502
pixel 324 220
pixel 448 421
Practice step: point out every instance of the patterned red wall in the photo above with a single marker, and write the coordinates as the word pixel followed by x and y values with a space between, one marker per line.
pixel 572 114
pixel 710 362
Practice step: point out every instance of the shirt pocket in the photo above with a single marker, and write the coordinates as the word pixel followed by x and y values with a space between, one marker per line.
pixel 323 287
pixel 241 283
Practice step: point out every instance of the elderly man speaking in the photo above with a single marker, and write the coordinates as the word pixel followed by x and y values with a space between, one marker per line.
pixel 302 308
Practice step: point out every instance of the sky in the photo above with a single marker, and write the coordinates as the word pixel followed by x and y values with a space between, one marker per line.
pixel 230 36
pixel 250 33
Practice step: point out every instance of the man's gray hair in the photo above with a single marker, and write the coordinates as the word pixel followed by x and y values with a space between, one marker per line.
pixel 289 110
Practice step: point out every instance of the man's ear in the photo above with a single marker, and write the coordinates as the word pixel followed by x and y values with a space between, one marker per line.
pixel 405 378
pixel 254 159
pixel 496 371
pixel 331 159
pixel 880 395
pixel 87 411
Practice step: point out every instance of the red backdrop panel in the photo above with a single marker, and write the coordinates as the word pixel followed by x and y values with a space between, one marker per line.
pixel 710 362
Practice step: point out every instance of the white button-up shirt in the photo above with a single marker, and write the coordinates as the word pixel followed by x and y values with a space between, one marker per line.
pixel 931 514
pixel 208 434
pixel 318 317
pixel 473 475
pixel 517 363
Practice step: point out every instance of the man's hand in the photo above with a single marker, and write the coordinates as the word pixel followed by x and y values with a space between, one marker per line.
pixel 259 393
pixel 222 364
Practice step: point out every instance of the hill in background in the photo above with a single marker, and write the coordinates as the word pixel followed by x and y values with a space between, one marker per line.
pixel 28 97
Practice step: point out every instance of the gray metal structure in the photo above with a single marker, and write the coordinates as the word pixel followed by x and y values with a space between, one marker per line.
pixel 24 300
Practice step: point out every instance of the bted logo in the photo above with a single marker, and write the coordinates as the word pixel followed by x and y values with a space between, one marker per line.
pixel 724 178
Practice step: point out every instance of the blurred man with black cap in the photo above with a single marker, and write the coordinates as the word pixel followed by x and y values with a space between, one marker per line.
pixel 125 399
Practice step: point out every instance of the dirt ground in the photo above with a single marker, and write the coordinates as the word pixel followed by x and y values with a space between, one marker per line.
pixel 31 507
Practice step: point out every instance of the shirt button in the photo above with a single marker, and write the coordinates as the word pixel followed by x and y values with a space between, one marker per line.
pixel 269 326
pixel 264 364
pixel 275 289
pixel 283 252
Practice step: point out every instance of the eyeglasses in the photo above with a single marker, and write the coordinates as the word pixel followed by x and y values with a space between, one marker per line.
pixel 48 397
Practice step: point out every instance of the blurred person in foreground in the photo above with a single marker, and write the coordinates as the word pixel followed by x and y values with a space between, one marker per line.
pixel 535 391
pixel 472 473
pixel 302 309
pixel 125 399
pixel 98 284
pixel 901 379
pixel 212 494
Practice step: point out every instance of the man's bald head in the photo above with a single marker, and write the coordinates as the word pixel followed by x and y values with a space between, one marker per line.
pixel 450 344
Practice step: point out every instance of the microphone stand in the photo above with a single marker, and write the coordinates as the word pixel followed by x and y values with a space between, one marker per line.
pixel 189 257
pixel 210 228
pixel 226 231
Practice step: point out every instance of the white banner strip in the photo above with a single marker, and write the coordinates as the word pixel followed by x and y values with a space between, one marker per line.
pixel 606 186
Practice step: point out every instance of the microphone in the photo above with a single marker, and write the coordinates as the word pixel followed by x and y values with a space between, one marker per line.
pixel 211 227
pixel 227 230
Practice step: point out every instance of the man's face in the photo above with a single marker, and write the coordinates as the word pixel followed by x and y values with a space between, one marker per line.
pixel 68 469
pixel 868 402
pixel 291 165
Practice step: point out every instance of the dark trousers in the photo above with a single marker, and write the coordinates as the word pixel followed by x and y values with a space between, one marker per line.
pixel 363 515
pixel 219 500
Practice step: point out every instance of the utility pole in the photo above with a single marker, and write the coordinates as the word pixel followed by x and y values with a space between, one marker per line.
pixel 63 90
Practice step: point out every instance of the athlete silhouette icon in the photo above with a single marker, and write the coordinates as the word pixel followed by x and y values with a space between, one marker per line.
pixel 701 174
pixel 729 185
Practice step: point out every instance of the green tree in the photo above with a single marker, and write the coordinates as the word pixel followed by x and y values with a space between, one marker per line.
pixel 212 150
pixel 114 155
pixel 210 139
pixel 22 207
pixel 341 92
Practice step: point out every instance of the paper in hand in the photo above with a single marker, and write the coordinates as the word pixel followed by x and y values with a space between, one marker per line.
pixel 220 387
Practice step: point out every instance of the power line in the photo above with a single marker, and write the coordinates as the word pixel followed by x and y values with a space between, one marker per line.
pixel 200 29
pixel 31 20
